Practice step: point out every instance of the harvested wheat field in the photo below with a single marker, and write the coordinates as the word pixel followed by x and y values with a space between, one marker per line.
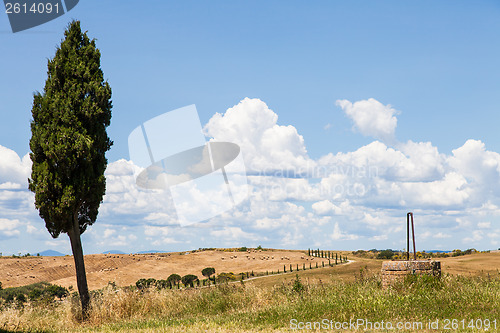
pixel 472 264
pixel 126 269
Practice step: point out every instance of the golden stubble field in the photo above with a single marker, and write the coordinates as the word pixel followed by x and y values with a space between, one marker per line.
pixel 126 269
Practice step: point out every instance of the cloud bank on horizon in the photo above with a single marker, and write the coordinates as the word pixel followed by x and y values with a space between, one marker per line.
pixel 344 200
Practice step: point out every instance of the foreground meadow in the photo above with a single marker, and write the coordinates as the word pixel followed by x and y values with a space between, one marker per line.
pixel 249 307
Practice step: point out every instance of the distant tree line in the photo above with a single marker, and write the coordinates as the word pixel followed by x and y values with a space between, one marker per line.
pixel 389 254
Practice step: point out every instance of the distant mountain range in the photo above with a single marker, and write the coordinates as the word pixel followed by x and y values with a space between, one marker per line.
pixel 51 253
pixel 114 252
pixel 152 251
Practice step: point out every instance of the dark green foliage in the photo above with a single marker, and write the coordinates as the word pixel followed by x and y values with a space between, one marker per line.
pixel 35 294
pixel 189 280
pixel 0 285
pixel 162 284
pixel 56 291
pixel 457 253
pixel 69 139
pixel 145 283
pixel 385 254
pixel 69 142
pixel 21 298
pixel 259 247
pixel 41 291
pixel 243 249
pixel 173 279
pixel 298 287
pixel 309 252
pixel 208 271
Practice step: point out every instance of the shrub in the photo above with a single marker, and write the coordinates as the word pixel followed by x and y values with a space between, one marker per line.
pixel 298 287
pixel 226 277
pixel 56 291
pixel 385 254
pixel 162 284
pixel 34 294
pixel 44 290
pixel 243 249
pixel 145 283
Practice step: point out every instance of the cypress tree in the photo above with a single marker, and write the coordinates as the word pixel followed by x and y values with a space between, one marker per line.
pixel 69 142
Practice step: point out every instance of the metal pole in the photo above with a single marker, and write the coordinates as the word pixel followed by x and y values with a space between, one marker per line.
pixel 413 235
pixel 408 236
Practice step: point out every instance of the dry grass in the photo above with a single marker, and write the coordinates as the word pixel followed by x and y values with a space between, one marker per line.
pixel 267 304
pixel 472 264
pixel 245 308
pixel 127 269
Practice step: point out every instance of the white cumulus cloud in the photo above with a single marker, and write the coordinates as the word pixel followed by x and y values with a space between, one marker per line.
pixel 371 118
pixel 265 145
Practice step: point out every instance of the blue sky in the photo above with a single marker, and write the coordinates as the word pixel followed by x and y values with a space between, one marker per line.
pixel 431 66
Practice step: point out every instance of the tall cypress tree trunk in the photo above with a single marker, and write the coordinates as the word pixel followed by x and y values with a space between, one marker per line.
pixel 81 277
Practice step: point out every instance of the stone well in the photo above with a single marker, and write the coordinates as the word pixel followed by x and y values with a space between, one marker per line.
pixel 393 271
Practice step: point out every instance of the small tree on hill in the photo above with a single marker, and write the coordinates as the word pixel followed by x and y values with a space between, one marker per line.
pixel 173 279
pixel 189 280
pixel 209 271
